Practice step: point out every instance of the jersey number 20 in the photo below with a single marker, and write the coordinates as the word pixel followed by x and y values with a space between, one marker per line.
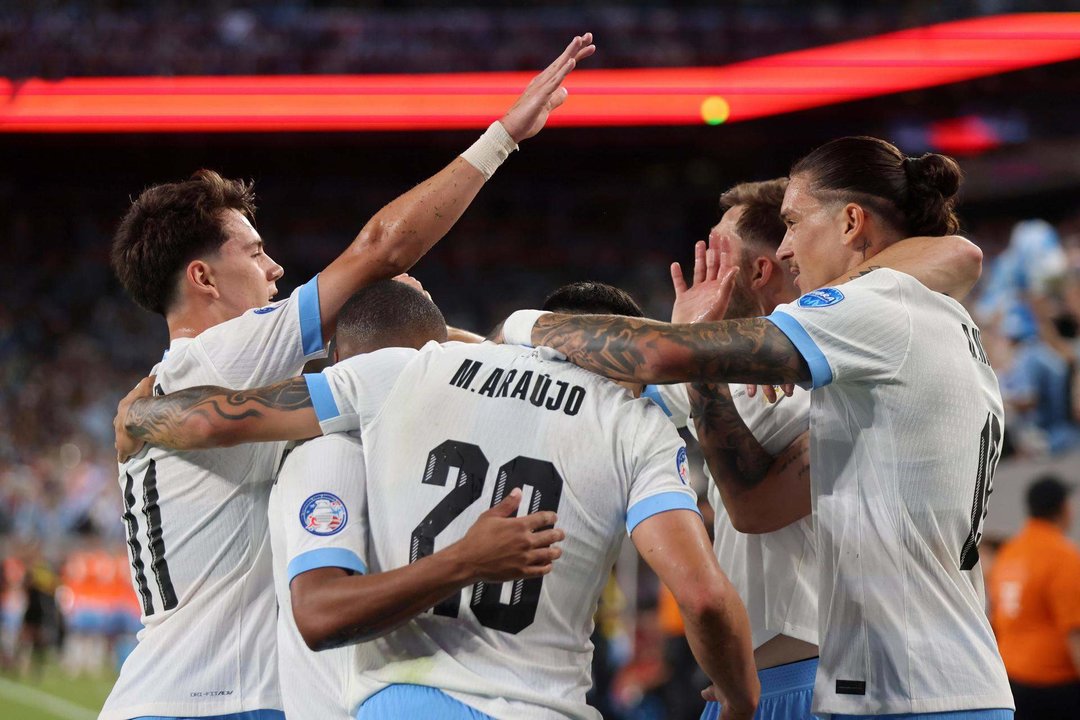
pixel 472 468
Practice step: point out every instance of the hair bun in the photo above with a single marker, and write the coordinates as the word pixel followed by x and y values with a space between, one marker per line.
pixel 933 173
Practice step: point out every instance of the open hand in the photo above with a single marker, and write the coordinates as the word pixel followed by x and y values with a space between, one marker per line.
pixel 501 546
pixel 545 92
pixel 714 278
pixel 126 445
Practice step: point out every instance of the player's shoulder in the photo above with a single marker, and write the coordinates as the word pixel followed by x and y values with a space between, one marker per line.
pixel 324 450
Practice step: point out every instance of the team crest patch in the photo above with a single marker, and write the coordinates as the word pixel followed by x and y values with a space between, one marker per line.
pixel 323 514
pixel 267 309
pixel 821 298
pixel 683 466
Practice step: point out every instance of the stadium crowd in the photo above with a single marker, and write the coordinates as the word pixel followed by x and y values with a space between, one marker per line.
pixel 95 38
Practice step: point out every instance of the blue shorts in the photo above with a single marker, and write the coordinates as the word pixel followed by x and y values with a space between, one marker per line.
pixel 409 702
pixel 786 693
pixel 246 715
pixel 993 714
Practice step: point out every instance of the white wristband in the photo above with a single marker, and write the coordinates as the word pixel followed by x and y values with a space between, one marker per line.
pixel 517 330
pixel 491 150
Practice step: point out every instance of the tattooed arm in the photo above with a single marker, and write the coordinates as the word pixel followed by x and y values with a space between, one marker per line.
pixel 751 350
pixel 208 416
pixel 950 265
pixel 760 493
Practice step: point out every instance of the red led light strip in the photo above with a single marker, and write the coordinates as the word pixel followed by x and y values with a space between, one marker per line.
pixel 896 62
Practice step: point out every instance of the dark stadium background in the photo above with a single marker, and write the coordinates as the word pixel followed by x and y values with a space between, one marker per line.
pixel 610 204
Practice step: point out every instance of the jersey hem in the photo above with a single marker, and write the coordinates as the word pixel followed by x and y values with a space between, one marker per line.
pixel 182 710
pixel 958 703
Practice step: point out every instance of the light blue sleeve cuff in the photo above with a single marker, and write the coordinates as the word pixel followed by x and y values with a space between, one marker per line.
pixel 653 393
pixel 326 557
pixel 321 397
pixel 656 504
pixel 820 372
pixel 310 317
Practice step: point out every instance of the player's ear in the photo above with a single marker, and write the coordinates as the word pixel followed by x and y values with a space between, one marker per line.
pixel 200 276
pixel 761 271
pixel 853 222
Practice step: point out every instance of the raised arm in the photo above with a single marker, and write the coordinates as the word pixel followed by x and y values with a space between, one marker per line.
pixel 402 232
pixel 207 417
pixel 676 547
pixel 334 608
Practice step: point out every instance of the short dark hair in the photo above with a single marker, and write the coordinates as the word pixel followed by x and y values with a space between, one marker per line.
pixel 388 314
pixel 170 225
pixel 592 298
pixel 1046 497
pixel 915 195
pixel 760 222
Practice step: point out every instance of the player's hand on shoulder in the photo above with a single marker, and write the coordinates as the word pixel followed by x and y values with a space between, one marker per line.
pixel 126 445
pixel 545 92
pixel 714 277
pixel 501 546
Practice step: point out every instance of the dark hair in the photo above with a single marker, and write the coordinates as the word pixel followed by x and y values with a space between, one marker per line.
pixel 388 314
pixel 1046 497
pixel 170 225
pixel 760 221
pixel 916 196
pixel 588 298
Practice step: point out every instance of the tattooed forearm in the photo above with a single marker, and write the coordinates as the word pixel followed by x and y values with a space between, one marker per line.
pixel 209 416
pixel 732 452
pixel 635 350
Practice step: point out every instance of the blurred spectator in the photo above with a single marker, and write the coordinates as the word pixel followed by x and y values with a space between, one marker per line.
pixel 1035 601
pixel 1023 297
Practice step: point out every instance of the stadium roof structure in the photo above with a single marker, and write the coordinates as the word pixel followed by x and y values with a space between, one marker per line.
pixel 895 62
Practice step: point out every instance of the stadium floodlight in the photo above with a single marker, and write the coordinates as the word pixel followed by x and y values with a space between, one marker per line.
pixel 881 65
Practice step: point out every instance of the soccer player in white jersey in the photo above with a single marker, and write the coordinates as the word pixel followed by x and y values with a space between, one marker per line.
pixel 905 429
pixel 318 524
pixel 449 431
pixel 747 440
pixel 196 522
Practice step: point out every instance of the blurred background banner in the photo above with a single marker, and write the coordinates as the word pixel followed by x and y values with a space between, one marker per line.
pixel 681 101
pixel 895 62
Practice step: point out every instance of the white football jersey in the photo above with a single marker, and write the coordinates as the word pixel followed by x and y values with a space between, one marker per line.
pixel 905 429
pixel 775 574
pixel 197 534
pixel 318 518
pixel 463 426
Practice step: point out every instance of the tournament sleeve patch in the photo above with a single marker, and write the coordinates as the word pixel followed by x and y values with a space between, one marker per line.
pixel 823 297
pixel 323 514
pixel 682 466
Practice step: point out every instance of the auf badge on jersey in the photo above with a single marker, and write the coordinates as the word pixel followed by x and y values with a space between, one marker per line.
pixel 821 298
pixel 323 514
